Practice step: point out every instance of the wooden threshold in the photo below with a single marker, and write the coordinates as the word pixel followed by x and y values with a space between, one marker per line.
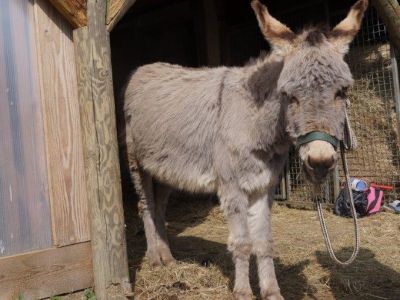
pixel 45 273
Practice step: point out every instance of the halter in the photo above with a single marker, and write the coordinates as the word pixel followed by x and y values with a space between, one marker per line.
pixel 318 136
pixel 349 138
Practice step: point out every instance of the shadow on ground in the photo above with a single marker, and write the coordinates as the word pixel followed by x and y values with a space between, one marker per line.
pixel 366 278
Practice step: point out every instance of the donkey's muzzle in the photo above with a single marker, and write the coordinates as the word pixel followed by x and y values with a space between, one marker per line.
pixel 319 168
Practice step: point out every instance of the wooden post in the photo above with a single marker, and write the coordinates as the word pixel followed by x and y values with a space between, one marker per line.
pixel 99 135
pixel 389 11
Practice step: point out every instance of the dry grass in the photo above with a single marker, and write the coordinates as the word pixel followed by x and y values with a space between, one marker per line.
pixel 204 270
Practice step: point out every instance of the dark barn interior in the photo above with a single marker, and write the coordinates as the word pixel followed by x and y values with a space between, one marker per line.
pixel 196 33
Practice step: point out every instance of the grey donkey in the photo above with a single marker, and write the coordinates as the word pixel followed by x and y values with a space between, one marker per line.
pixel 228 130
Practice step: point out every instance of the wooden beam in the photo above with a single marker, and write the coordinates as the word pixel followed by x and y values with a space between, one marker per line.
pixel 46 273
pixel 389 11
pixel 116 9
pixel 95 92
pixel 72 10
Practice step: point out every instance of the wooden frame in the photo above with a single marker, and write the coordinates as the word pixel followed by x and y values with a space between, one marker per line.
pixel 75 11
pixel 116 9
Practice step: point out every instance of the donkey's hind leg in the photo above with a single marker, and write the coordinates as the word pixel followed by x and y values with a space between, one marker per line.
pixel 146 205
pixel 158 251
pixel 161 196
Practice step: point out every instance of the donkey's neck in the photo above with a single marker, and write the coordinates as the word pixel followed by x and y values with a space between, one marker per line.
pixel 262 77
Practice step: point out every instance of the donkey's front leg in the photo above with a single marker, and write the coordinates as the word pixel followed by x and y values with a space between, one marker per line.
pixel 259 220
pixel 234 205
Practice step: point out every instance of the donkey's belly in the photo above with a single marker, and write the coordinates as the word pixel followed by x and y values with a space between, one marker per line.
pixel 181 174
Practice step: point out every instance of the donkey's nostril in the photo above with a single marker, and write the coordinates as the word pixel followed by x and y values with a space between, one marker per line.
pixel 313 163
pixel 323 164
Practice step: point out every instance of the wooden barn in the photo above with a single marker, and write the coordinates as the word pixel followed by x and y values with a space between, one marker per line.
pixel 62 225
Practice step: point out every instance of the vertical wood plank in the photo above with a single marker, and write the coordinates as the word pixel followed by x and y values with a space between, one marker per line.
pixel 110 262
pixel 59 94
pixel 24 211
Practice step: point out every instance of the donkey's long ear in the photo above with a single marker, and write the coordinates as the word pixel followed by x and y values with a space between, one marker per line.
pixel 278 35
pixel 343 34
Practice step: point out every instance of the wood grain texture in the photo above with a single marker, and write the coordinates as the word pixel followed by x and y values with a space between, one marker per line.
pixel 389 11
pixel 74 11
pixel 101 153
pixel 116 9
pixel 46 273
pixel 24 209
pixel 59 95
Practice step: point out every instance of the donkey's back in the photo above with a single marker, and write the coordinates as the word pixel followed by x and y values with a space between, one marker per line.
pixel 172 120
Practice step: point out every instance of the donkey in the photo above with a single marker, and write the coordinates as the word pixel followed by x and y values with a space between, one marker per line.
pixel 228 130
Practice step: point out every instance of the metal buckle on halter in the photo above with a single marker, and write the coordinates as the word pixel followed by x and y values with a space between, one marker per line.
pixel 318 136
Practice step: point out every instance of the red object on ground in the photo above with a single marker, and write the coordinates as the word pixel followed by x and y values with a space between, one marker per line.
pixel 382 187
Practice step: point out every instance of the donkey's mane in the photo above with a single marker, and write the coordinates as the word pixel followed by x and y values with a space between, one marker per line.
pixel 259 59
pixel 315 35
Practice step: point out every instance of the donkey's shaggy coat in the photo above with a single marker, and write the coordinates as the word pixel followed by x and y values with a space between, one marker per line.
pixel 228 131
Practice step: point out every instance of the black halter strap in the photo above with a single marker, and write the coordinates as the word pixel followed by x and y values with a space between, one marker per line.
pixel 318 136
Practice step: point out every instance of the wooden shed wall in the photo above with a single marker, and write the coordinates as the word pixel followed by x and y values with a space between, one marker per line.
pixel 41 157
pixel 42 162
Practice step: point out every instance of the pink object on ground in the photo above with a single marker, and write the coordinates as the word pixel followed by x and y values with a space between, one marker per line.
pixel 375 197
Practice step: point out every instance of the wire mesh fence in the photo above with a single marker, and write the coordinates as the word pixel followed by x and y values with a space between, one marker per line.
pixel 373 117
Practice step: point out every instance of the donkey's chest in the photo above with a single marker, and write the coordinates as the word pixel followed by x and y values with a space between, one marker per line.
pixel 260 170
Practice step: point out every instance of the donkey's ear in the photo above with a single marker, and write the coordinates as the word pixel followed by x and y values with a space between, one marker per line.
pixel 343 34
pixel 278 35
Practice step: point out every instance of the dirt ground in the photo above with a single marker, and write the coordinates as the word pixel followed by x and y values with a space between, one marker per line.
pixel 204 270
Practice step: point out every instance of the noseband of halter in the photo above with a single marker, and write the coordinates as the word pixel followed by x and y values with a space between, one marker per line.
pixel 318 136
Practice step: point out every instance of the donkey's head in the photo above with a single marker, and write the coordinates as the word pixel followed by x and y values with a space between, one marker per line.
pixel 313 82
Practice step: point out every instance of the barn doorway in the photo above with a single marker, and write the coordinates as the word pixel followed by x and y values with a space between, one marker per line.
pixel 197 33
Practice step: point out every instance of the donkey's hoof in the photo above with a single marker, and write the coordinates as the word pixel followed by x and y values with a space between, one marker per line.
pixel 242 295
pixel 154 258
pixel 166 256
pixel 272 296
pixel 160 257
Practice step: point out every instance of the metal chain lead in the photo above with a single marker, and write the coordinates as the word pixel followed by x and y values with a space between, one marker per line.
pixel 324 228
